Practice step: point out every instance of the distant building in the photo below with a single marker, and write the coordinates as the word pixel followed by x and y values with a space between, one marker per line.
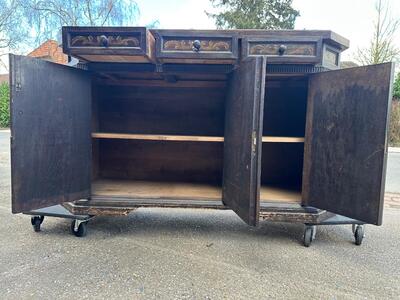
pixel 3 78
pixel 49 50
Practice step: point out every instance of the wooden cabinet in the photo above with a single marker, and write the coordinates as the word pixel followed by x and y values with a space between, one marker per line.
pixel 286 140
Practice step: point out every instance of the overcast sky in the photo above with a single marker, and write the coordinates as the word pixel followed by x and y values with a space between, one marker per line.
pixel 352 19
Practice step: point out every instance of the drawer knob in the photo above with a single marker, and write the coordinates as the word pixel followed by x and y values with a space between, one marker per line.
pixel 196 45
pixel 282 49
pixel 104 41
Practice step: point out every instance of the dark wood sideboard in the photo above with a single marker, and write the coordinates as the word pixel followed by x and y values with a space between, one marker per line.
pixel 261 122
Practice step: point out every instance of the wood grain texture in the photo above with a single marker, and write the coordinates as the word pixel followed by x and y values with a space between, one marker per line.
pixel 346 141
pixel 242 146
pixel 136 189
pixel 162 110
pixel 50 144
pixel 307 49
pixel 189 138
pixel 154 137
pixel 161 160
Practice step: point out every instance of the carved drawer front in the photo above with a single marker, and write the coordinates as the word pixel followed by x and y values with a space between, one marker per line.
pixel 193 46
pixel 291 50
pixel 109 44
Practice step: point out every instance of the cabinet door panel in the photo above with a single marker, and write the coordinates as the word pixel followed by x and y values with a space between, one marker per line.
pixel 346 141
pixel 50 133
pixel 242 145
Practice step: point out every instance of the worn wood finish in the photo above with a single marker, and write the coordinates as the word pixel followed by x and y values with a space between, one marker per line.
pixel 162 110
pixel 138 189
pixel 188 138
pixel 242 146
pixel 270 193
pixel 179 46
pixel 285 50
pixel 109 44
pixel 154 137
pixel 161 160
pixel 50 133
pixel 346 145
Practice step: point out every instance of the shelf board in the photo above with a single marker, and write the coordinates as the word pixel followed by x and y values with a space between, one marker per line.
pixel 270 193
pixel 282 139
pixel 187 138
pixel 157 137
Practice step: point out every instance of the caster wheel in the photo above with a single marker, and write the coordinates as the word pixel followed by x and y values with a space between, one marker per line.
pixel 36 222
pixel 309 235
pixel 359 234
pixel 80 231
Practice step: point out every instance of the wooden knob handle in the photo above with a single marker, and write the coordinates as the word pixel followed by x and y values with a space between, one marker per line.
pixel 104 41
pixel 196 45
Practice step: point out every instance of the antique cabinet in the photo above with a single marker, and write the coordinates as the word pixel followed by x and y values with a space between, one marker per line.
pixel 260 122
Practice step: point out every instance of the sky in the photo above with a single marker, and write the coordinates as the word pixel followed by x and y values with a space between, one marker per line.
pixel 352 19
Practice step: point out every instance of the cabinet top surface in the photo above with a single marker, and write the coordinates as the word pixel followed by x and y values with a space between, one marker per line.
pixel 326 35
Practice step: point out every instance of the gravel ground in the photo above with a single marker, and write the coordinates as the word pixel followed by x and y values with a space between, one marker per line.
pixel 191 254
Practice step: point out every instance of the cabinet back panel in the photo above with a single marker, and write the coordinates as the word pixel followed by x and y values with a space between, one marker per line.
pixel 285 108
pixel 161 161
pixel 161 110
pixel 282 164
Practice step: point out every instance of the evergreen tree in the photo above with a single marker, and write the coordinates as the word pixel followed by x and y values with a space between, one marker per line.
pixel 254 14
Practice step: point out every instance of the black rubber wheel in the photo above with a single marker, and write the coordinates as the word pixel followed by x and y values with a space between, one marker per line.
pixel 308 236
pixel 359 235
pixel 81 231
pixel 36 222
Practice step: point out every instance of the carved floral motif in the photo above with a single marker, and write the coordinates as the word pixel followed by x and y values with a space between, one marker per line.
pixel 96 41
pixel 206 45
pixel 291 49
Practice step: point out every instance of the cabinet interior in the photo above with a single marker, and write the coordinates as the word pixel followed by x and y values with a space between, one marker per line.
pixel 161 139
pixel 158 139
pixel 285 106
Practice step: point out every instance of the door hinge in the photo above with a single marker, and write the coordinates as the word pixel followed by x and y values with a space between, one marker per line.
pixel 254 142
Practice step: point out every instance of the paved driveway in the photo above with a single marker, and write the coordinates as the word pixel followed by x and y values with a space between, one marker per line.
pixel 191 254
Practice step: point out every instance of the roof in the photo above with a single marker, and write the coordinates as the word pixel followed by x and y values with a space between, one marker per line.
pixel 51 51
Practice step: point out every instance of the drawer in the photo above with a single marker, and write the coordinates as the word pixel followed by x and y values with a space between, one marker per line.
pixel 280 50
pixel 195 46
pixel 109 44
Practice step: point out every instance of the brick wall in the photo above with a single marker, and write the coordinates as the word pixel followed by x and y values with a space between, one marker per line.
pixel 3 78
pixel 51 51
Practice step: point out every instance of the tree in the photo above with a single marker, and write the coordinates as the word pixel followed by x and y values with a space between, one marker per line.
pixel 47 17
pixel 254 14
pixel 381 47
pixel 11 31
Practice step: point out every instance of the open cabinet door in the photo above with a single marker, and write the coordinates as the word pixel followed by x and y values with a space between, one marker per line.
pixel 50 133
pixel 346 141
pixel 242 144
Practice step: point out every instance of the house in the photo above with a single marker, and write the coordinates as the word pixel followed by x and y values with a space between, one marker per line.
pixel 49 50
pixel 3 78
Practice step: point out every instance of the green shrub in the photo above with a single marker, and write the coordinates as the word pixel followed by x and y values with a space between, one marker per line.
pixel 394 129
pixel 396 87
pixel 4 105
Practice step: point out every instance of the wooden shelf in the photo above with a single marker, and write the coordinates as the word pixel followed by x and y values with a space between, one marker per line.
pixel 137 189
pixel 188 138
pixel 157 137
pixel 269 193
pixel 282 139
